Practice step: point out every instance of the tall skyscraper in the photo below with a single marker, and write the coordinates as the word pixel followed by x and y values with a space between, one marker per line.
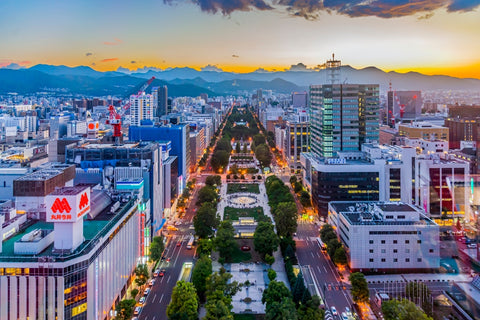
pixel 141 108
pixel 343 117
pixel 160 101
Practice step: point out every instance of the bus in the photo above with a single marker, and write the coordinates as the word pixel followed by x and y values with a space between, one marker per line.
pixel 190 242
pixel 322 245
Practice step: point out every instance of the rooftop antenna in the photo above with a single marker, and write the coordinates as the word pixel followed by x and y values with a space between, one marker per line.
pixel 333 70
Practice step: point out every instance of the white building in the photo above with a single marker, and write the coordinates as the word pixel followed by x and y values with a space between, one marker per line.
pixel 386 236
pixel 141 108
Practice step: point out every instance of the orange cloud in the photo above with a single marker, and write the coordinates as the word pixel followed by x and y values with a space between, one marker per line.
pixel 109 60
pixel 11 63
pixel 116 42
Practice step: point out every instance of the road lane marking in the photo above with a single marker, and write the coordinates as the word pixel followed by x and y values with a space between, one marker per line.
pixel 161 298
pixel 319 270
pixel 168 279
pixel 313 256
pixel 154 297
pixel 318 254
pixel 325 269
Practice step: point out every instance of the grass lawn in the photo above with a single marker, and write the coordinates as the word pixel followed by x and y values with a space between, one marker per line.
pixel 234 213
pixel 241 256
pixel 242 187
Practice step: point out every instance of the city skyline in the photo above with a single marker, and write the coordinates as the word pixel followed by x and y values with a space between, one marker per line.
pixel 244 35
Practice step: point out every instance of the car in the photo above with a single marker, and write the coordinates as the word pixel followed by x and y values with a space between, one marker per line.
pixel 137 311
pixel 155 274
pixel 142 301
pixel 344 316
pixel 161 273
pixel 146 292
pixel 168 259
pixel 163 258
pixel 347 310
pixel 472 245
pixel 134 318
pixel 152 282
pixel 179 243
pixel 334 310
pixel 245 248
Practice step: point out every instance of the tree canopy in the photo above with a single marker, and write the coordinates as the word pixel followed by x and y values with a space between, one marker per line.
pixel 263 155
pixel 265 240
pixel 184 301
pixel 207 194
pixel 285 216
pixel 225 240
pixel 359 290
pixel 141 274
pixel 205 220
pixel 125 309
pixel 219 292
pixel 402 310
pixel 156 248
pixel 213 180
pixel 200 273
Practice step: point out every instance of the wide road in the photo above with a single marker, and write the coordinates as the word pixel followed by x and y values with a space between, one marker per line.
pixel 333 290
pixel 155 307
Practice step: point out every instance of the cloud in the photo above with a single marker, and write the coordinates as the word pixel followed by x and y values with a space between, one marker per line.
pixel 88 54
pixel 298 67
pixel 94 64
pixel 211 68
pixel 10 64
pixel 261 70
pixel 426 16
pixel 311 9
pixel 235 56
pixel 133 61
pixel 116 42
pixel 109 60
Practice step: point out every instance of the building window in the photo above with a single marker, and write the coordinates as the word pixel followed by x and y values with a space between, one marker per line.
pixel 407 241
pixel 394 241
pixel 407 250
pixel 431 250
pixel 419 260
pixel 419 241
pixel 371 241
pixel 383 241
pixel 371 260
pixel 395 260
pixel 395 250
pixel 383 251
pixel 371 250
pixel 383 259
pixel 407 260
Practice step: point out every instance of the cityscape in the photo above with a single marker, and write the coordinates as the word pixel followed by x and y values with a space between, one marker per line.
pixel 240 160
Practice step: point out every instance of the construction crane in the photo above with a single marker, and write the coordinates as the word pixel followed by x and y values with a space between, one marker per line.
pixel 115 120
pixel 142 88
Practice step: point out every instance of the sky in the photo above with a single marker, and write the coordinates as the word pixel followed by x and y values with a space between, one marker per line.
pixel 427 36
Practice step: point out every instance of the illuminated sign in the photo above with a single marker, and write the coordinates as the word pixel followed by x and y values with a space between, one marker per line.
pixel 79 309
pixel 64 206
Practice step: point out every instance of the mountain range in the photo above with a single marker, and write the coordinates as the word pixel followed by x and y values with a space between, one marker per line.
pixel 84 80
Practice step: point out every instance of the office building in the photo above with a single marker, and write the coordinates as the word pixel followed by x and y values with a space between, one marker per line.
pixel 423 130
pixel 179 135
pixel 391 237
pixel 141 108
pixel 297 136
pixel 160 101
pixel 300 100
pixel 462 129
pixel 343 117
pixel 403 105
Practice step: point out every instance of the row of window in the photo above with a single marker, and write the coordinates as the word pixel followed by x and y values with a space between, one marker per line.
pixel 396 250
pixel 394 241
pixel 395 260
pixel 394 232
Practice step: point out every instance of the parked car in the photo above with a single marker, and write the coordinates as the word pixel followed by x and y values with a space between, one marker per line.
pixel 344 316
pixel 146 292
pixel 155 274
pixel 472 245
pixel 137 311
pixel 334 310
pixel 245 248
pixel 142 301
pixel 151 282
pixel 161 273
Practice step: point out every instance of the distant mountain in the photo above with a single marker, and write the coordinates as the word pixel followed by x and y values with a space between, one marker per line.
pixel 71 71
pixel 31 81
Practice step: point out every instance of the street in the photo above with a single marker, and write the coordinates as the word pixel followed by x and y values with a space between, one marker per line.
pixel 333 290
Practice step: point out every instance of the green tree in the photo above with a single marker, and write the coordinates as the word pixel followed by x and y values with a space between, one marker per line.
pixel 207 194
pixel 281 310
pixel 310 310
pixel 213 180
pixel 263 155
pixel 272 275
pixel 141 274
pixel 225 240
pixel 286 218
pixel 217 310
pixel 298 187
pixel 156 248
pixel 237 147
pixel 184 300
pixel 259 139
pixel 305 199
pixel 299 291
pixel 205 220
pixel 332 246
pixel 293 180
pixel 340 256
pixel 359 290
pixel 204 247
pixel 200 273
pixel 125 309
pixel 224 145
pixel 245 150
pixel 275 291
pixel 269 259
pixel 327 233
pixel 133 293
pixel 402 310
pixel 265 240
pixel 219 292
pixel 220 159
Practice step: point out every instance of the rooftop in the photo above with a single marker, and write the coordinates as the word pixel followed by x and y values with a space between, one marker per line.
pixel 93 231
pixel 67 191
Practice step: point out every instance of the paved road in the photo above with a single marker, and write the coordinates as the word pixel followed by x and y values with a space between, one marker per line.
pixel 324 273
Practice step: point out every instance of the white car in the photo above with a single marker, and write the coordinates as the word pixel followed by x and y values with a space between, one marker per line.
pixel 347 310
pixel 137 311
pixel 334 310
pixel 146 292
pixel 344 316
pixel 472 245
pixel 142 300
pixel 152 282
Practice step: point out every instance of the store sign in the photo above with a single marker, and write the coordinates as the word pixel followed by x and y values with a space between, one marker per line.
pixel 68 208
pixel 79 309
pixel 336 161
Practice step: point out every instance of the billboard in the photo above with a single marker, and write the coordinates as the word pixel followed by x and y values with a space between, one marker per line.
pixel 67 205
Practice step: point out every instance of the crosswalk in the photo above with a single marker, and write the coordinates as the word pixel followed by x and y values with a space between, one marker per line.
pixel 328 315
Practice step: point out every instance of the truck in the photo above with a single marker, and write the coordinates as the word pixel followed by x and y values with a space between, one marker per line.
pixel 190 242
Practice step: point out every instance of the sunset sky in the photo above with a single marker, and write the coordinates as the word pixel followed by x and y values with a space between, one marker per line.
pixel 429 36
